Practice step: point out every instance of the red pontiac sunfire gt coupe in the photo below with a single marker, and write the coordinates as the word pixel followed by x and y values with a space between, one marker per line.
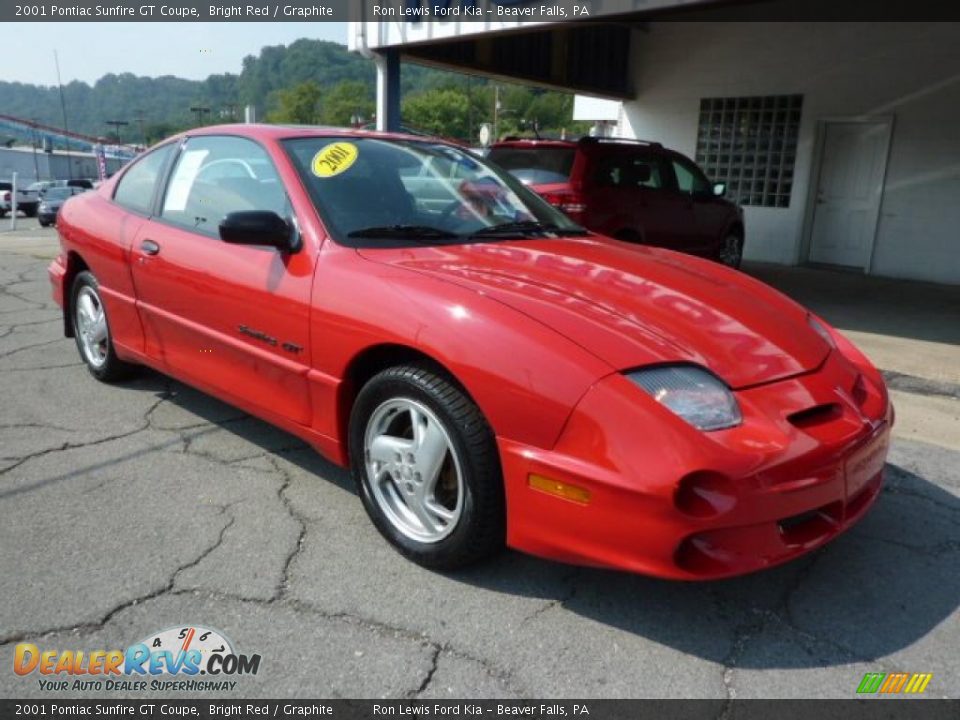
pixel 491 372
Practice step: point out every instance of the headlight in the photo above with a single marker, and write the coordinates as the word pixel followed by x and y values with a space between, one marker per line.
pixel 692 393
pixel 820 329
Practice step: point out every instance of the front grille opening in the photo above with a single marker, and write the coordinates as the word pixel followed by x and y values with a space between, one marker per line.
pixel 811 527
pixel 816 415
pixel 861 500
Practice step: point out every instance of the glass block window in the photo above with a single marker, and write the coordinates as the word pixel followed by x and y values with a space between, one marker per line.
pixel 750 143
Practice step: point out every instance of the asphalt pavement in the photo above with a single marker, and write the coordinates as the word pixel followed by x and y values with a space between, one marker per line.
pixel 131 508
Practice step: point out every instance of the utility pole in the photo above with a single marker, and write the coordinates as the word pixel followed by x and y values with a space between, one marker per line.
pixel 116 125
pixel 34 142
pixel 469 109
pixel 63 109
pixel 199 110
pixel 143 133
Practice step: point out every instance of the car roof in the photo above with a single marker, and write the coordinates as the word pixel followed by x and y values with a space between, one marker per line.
pixel 534 142
pixel 260 131
pixel 579 143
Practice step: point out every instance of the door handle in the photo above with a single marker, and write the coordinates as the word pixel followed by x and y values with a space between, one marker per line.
pixel 149 247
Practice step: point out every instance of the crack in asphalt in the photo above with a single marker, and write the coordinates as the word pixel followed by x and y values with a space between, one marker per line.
pixel 287 478
pixel 572 577
pixel 757 621
pixel 761 619
pixel 23 348
pixel 71 446
pixel 428 676
pixel 105 619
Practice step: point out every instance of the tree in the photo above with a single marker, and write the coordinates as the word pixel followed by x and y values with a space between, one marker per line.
pixel 443 112
pixel 299 104
pixel 346 100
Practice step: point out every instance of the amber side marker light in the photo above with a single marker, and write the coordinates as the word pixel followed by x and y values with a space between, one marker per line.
pixel 559 489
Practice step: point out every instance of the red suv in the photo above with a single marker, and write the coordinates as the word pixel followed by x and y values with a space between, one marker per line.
pixel 635 191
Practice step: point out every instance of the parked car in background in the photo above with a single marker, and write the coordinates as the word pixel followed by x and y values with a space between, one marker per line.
pixel 491 372
pixel 635 191
pixel 40 187
pixel 53 200
pixel 27 201
pixel 82 183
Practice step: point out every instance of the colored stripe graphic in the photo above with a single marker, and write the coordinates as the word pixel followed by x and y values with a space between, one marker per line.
pixel 918 683
pixel 871 682
pixel 894 683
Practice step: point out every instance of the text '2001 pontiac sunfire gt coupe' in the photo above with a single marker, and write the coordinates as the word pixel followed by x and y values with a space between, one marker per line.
pixel 492 373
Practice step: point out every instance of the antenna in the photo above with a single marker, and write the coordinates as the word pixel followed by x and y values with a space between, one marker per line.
pixel 63 109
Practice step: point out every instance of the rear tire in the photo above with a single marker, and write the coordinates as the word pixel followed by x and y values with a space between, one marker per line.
pixel 731 251
pixel 427 468
pixel 91 330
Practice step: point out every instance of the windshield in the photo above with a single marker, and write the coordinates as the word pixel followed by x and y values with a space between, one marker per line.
pixel 58 193
pixel 373 191
pixel 535 165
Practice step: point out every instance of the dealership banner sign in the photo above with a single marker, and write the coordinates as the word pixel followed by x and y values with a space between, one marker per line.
pixel 489 12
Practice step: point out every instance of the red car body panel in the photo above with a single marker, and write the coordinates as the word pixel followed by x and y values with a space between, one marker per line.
pixel 538 332
pixel 634 306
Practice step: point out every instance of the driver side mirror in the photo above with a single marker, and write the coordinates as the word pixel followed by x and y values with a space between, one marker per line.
pixel 719 189
pixel 259 227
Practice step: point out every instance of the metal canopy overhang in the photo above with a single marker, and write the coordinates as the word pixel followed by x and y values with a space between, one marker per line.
pixel 589 58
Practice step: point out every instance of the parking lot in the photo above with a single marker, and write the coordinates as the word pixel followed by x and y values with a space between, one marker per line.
pixel 128 509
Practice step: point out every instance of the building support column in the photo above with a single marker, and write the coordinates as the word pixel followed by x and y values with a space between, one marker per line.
pixel 388 89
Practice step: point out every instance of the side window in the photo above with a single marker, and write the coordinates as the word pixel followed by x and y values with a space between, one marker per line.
pixel 630 171
pixel 215 176
pixel 689 178
pixel 138 184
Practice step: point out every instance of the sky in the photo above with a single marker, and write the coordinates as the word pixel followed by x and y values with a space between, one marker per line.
pixel 90 50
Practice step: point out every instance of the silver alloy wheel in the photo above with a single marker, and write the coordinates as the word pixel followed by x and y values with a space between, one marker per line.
pixel 91 326
pixel 413 471
pixel 731 251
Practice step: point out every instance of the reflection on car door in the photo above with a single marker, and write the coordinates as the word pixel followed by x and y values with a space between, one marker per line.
pixel 706 214
pixel 225 316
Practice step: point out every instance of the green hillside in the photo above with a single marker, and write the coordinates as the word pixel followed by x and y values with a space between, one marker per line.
pixel 313 81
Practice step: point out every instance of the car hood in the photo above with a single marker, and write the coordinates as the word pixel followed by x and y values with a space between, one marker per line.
pixel 631 305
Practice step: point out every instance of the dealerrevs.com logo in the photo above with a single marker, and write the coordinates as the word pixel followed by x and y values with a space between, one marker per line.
pixel 186 658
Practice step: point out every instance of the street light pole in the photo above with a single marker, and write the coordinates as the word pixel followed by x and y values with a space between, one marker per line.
pixel 116 125
pixel 143 134
pixel 199 110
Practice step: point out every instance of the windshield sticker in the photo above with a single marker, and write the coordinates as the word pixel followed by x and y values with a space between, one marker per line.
pixel 334 159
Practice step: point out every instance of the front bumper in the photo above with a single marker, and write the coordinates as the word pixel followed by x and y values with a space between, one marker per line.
pixel 668 500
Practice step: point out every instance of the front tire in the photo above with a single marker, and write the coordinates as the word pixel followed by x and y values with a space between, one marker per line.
pixel 731 251
pixel 426 465
pixel 91 330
